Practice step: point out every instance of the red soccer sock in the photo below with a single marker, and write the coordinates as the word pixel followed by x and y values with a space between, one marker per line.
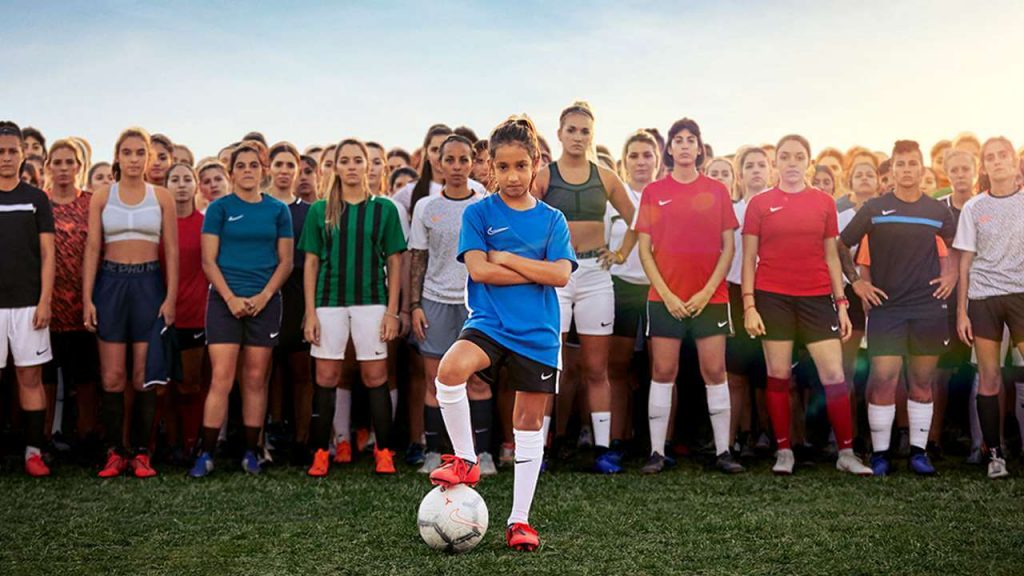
pixel 837 399
pixel 777 399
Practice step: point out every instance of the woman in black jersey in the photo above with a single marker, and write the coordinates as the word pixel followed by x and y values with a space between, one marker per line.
pixel 581 190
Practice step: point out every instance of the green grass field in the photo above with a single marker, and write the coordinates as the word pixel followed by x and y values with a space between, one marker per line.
pixel 685 521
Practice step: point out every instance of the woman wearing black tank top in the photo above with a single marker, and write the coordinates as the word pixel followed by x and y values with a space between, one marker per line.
pixel 581 190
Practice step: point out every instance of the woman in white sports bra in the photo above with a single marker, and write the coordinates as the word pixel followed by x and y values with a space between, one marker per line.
pixel 124 298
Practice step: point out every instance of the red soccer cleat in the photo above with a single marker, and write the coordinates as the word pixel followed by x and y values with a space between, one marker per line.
pixel 142 467
pixel 343 452
pixel 520 536
pixel 115 466
pixel 321 464
pixel 384 461
pixel 454 470
pixel 35 467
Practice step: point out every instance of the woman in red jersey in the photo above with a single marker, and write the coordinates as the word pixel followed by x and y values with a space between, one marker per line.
pixel 793 290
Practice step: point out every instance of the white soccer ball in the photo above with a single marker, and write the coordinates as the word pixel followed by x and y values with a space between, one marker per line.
pixel 453 520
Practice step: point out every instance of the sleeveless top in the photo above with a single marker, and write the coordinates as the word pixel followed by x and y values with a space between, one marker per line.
pixel 140 221
pixel 579 202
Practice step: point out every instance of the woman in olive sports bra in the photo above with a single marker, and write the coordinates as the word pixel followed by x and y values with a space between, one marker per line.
pixel 589 298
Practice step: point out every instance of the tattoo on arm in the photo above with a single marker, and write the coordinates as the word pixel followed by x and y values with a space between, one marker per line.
pixel 846 260
pixel 416 275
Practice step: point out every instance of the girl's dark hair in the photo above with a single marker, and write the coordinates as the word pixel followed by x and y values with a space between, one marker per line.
pixel 309 161
pixel 241 148
pixel 8 128
pixel 403 171
pixel 33 174
pixel 467 133
pixel 30 132
pixel 401 154
pixel 455 138
pixel 283 147
pixel 692 127
pixel 827 171
pixel 518 130
pixel 422 188
pixel 480 146
pixel 93 169
pixel 795 138
pixel 162 140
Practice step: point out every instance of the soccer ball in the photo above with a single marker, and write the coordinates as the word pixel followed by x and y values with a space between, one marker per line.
pixel 453 520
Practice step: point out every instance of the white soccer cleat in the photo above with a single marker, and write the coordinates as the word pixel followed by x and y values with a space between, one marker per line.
pixel 784 462
pixel 848 462
pixel 997 468
pixel 486 462
pixel 431 460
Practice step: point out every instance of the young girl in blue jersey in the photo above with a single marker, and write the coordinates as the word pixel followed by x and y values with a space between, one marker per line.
pixel 517 250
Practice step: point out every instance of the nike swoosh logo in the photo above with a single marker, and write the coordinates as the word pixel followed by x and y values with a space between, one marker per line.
pixel 835 328
pixel 775 209
pixel 887 212
pixel 664 202
pixel 546 376
pixel 945 342
pixel 198 335
pixel 523 461
pixel 493 231
pixel 605 324
pixel 379 352
pixel 235 218
pixel 459 519
pixel 722 324
pixel 274 334
pixel 43 351
pixel 603 420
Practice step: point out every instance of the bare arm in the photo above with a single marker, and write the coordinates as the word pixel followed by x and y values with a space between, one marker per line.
pixel 169 233
pixel 540 183
pixel 311 324
pixel 417 272
pixel 752 322
pixel 846 261
pixel 963 322
pixel 91 260
pixel 542 272
pixel 211 247
pixel 484 272
pixel 285 257
pixel 48 266
pixel 835 274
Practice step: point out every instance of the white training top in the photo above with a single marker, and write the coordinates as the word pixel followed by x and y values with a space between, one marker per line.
pixel 140 221
pixel 615 230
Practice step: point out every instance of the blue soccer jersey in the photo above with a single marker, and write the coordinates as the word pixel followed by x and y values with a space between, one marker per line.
pixel 523 318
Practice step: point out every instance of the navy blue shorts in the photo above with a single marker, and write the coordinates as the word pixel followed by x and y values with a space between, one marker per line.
pixel 222 327
pixel 127 299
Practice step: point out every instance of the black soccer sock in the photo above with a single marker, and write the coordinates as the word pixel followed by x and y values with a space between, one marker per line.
pixel 210 436
pixel 433 428
pixel 34 423
pixel 988 417
pixel 380 413
pixel 480 412
pixel 323 403
pixel 143 413
pixel 112 416
pixel 252 438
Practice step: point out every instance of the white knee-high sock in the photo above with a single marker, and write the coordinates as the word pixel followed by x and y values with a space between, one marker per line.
pixel 394 403
pixel 602 423
pixel 880 419
pixel 343 415
pixel 455 410
pixel 545 429
pixel 529 456
pixel 919 416
pixel 720 411
pixel 972 416
pixel 659 406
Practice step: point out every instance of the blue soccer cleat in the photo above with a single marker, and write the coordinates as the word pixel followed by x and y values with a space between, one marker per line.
pixel 203 466
pixel 921 464
pixel 251 464
pixel 606 464
pixel 880 465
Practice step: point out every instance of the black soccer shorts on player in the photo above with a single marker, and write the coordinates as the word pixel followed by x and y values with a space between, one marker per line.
pixel 989 315
pixel 714 320
pixel 526 374
pixel 808 319
pixel 891 332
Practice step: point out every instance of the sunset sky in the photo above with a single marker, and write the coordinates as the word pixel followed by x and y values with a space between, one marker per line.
pixel 204 73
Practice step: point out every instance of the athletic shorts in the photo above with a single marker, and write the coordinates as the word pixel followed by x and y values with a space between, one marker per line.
pixel 30 347
pixel 361 323
pixel 957 354
pixel 806 319
pixel 856 310
pixel 989 315
pixel 743 354
pixel 293 310
pixel 630 308
pixel 444 324
pixel 892 333
pixel 589 299
pixel 526 375
pixel 76 354
pixel 713 321
pixel 1009 356
pixel 190 338
pixel 127 299
pixel 262 330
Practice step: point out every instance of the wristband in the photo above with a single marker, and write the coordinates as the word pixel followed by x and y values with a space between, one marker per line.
pixel 745 294
pixel 395 316
pixel 844 301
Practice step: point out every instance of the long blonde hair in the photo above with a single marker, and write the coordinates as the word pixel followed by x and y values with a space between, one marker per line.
pixel 335 207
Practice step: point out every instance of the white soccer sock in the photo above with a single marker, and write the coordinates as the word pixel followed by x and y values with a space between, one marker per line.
pixel 394 403
pixel 919 415
pixel 529 456
pixel 1018 408
pixel 31 451
pixel 602 423
pixel 343 414
pixel 880 419
pixel 455 410
pixel 546 428
pixel 659 406
pixel 972 416
pixel 720 412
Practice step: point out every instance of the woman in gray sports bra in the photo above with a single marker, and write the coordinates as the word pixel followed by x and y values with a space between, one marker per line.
pixel 125 299
pixel 582 190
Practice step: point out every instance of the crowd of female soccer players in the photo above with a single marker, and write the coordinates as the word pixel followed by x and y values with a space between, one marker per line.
pixel 267 305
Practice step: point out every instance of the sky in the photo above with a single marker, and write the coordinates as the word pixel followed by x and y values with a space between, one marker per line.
pixel 205 73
